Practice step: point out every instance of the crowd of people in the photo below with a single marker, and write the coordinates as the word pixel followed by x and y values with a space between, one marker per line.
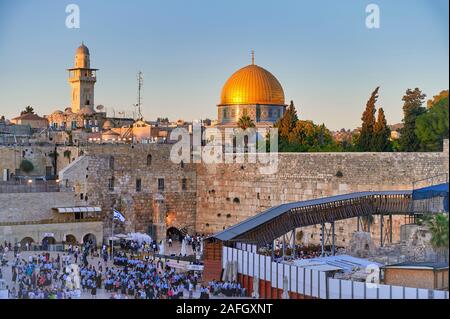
pixel 81 271
pixel 228 289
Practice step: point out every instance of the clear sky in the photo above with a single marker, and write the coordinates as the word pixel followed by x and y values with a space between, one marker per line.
pixel 321 51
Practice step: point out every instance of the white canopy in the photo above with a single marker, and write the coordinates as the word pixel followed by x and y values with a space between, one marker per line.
pixel 140 237
pixel 84 209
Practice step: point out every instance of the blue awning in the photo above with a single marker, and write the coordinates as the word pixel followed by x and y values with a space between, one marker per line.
pixel 440 190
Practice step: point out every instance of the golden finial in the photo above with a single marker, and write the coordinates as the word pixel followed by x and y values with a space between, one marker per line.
pixel 253 56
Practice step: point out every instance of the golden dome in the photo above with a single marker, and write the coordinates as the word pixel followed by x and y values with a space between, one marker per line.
pixel 252 85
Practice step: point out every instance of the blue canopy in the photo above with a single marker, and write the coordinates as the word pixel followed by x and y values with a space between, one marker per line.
pixel 440 190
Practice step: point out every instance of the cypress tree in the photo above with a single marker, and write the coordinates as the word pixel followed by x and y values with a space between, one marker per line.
pixel 412 108
pixel 365 140
pixel 287 123
pixel 382 133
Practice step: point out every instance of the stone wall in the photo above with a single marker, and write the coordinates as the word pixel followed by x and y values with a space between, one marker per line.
pixel 21 207
pixel 218 196
pixel 230 193
pixel 89 176
pixel 37 232
pixel 11 157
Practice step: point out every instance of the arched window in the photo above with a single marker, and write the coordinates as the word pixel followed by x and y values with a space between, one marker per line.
pixel 149 159
pixel 111 162
pixel 111 184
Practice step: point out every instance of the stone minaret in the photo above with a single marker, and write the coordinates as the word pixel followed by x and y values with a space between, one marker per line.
pixel 82 80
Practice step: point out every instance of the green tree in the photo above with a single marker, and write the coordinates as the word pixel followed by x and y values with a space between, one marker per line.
pixel 432 126
pixel 366 136
pixel 26 166
pixel 245 121
pixel 381 134
pixel 412 108
pixel 438 226
pixel 435 100
pixel 287 124
pixel 54 156
pixel 296 135
pixel 28 110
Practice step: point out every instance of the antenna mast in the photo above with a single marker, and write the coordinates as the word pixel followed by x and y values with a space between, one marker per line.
pixel 140 84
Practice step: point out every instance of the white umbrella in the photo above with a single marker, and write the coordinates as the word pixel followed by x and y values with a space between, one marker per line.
pixel 140 237
pixel 121 236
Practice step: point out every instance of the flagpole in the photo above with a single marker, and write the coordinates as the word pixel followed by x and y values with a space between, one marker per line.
pixel 112 237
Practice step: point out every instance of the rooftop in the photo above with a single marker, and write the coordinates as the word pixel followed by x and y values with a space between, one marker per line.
pixel 419 265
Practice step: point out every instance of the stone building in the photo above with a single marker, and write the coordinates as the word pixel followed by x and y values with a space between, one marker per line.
pixel 425 275
pixel 32 120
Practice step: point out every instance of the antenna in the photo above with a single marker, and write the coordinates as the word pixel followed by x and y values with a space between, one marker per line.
pixel 140 84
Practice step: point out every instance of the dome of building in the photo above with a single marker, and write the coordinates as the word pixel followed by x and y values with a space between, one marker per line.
pixel 82 49
pixel 108 125
pixel 252 85
pixel 57 112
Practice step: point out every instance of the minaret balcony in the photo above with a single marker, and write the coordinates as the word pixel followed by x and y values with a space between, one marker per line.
pixel 83 78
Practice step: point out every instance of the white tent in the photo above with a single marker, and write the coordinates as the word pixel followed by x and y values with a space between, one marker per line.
pixel 140 237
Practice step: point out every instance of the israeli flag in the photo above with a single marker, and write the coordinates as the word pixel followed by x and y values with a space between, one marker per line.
pixel 118 216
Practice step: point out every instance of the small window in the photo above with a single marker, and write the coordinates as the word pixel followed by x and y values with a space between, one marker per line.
pixel 161 184
pixel 81 196
pixel 138 185
pixel 184 184
pixel 111 184
pixel 182 164
pixel 149 159
pixel 111 162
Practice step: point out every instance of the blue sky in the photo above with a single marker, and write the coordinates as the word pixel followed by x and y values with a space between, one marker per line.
pixel 321 51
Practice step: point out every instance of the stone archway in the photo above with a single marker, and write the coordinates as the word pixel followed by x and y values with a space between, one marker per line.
pixel 26 240
pixel 71 239
pixel 90 238
pixel 46 241
pixel 175 233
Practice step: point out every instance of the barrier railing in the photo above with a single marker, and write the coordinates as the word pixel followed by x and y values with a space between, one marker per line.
pixel 276 280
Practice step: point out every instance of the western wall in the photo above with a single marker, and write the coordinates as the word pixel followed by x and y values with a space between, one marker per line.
pixel 208 198
pixel 230 193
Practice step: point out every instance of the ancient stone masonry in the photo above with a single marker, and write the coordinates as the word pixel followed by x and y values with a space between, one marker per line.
pixel 39 156
pixel 209 198
pixel 128 177
pixel 227 194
